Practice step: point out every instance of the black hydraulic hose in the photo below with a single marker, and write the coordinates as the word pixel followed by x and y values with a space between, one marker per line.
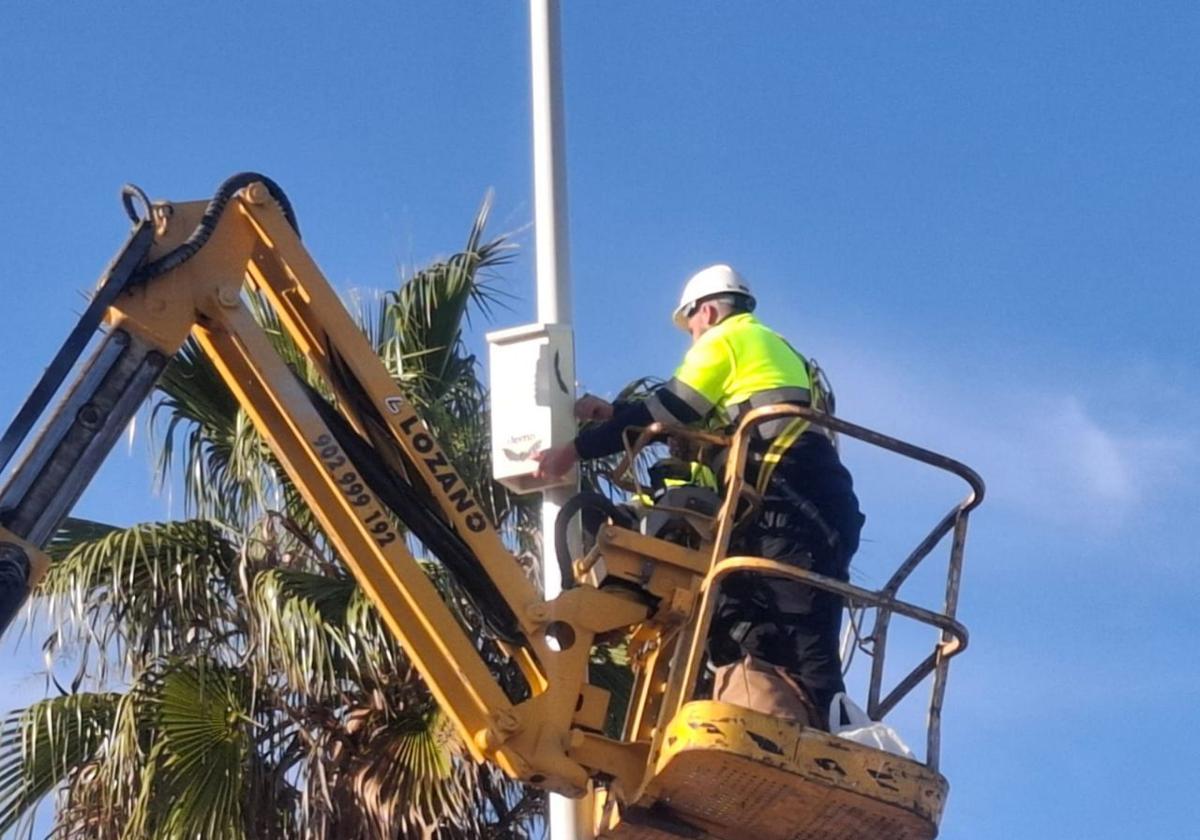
pixel 208 222
pixel 580 502
pixel 131 193
pixel 407 504
pixel 356 403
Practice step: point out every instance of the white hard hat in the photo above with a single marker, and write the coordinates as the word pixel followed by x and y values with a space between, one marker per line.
pixel 717 279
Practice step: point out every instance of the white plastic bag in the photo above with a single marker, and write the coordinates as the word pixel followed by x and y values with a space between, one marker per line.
pixel 862 730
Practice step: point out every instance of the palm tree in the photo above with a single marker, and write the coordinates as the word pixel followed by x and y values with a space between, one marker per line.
pixel 233 681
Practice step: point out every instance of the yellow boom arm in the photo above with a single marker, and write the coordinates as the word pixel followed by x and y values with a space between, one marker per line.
pixel 365 461
pixel 250 246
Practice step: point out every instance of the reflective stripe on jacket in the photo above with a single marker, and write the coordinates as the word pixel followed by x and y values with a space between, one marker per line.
pixel 738 365
pixel 729 365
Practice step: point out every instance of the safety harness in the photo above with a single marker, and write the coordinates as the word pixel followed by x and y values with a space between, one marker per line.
pixel 783 433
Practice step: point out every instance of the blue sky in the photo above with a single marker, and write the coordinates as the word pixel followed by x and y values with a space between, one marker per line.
pixel 982 219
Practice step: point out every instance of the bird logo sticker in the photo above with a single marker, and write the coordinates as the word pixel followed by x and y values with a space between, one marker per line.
pixel 522 447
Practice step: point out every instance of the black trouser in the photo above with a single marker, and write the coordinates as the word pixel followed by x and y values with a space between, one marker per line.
pixel 779 620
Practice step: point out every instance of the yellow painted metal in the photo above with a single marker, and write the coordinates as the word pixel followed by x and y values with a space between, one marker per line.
pixel 650 654
pixel 736 774
pixel 723 770
pixel 626 763
pixel 415 612
pixel 644 555
pixel 204 295
pixel 287 274
pixel 252 243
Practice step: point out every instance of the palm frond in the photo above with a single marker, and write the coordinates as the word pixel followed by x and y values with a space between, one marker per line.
pixel 106 799
pixel 203 716
pixel 74 532
pixel 148 589
pixel 302 625
pixel 421 331
pixel 42 745
pixel 401 772
pixel 266 697
pixel 198 427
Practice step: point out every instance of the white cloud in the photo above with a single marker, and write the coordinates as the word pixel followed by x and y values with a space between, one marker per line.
pixel 1101 469
pixel 1058 450
pixel 1072 460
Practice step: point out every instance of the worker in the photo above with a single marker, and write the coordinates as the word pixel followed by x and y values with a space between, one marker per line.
pixel 809 515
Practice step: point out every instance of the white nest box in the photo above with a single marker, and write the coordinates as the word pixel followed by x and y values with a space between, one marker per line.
pixel 533 400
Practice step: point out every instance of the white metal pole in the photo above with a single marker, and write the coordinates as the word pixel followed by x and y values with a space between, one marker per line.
pixel 569 819
pixel 549 166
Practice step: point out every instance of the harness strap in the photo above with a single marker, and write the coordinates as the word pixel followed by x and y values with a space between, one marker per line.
pixel 772 396
pixel 779 445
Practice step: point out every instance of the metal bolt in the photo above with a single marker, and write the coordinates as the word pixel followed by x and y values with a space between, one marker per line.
pixel 89 416
pixel 162 213
pixel 227 297
pixel 256 193
pixel 488 740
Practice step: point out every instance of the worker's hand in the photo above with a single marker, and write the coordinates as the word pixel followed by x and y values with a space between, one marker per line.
pixel 555 462
pixel 590 407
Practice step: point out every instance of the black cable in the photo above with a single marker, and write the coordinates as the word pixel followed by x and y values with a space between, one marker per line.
pixel 357 404
pixel 442 541
pixel 208 222
pixel 579 502
pixel 129 193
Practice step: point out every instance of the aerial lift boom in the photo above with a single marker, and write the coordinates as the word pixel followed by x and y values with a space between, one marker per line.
pixel 369 468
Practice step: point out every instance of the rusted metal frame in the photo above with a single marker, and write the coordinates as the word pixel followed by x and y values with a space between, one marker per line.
pixel 633 446
pixel 688 657
pixel 921 551
pixel 879 634
pixel 884 601
pixel 945 651
pixel 879 639
pixel 956 632
pixel 818 418
pixel 909 450
pixel 735 471
pixel 956 517
pixel 880 708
